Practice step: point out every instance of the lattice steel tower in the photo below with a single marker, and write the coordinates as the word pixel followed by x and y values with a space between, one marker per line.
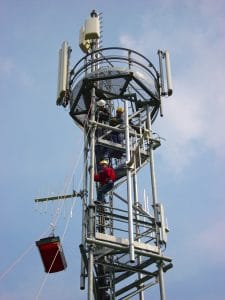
pixel 122 241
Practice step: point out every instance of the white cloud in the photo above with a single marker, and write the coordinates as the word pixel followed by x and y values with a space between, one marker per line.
pixel 10 70
pixel 6 66
pixel 212 240
pixel 195 113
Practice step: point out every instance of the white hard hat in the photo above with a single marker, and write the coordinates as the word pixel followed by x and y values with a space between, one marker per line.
pixel 101 103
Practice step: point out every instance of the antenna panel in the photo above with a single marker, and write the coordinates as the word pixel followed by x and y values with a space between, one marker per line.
pixel 163 226
pixel 63 72
pixel 168 73
pixel 92 28
pixel 83 43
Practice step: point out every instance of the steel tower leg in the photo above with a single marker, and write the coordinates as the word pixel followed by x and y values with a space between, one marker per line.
pixel 84 203
pixel 141 293
pixel 161 283
pixel 91 199
pixel 90 273
pixel 154 200
pixel 129 196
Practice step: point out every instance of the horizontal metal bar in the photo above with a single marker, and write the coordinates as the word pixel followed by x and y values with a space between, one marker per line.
pixel 124 267
pixel 60 197
pixel 140 289
pixel 136 283
pixel 126 249
pixel 129 273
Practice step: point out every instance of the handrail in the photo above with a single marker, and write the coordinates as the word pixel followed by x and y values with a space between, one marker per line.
pixel 112 58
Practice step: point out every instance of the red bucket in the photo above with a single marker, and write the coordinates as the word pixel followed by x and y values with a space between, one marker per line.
pixel 52 254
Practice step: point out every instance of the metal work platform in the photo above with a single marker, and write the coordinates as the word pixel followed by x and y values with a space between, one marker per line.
pixel 119 73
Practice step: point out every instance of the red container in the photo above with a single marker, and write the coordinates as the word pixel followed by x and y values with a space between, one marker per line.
pixel 52 254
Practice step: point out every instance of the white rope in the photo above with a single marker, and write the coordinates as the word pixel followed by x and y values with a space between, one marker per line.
pixel 63 236
pixel 52 225
pixel 16 261
pixel 20 258
pixel 54 222
pixel 70 178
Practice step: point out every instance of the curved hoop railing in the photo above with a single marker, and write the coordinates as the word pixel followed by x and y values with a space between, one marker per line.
pixel 106 57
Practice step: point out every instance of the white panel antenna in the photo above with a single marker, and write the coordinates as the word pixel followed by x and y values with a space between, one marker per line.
pixel 63 70
pixel 163 223
pixel 92 28
pixel 168 73
pixel 83 43
pixel 164 63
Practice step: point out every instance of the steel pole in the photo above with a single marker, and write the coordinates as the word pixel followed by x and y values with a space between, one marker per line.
pixel 129 195
pixel 84 205
pixel 154 201
pixel 90 273
pixel 91 197
pixel 141 293
pixel 161 282
pixel 91 184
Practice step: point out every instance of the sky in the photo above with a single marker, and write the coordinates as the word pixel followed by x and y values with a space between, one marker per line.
pixel 41 147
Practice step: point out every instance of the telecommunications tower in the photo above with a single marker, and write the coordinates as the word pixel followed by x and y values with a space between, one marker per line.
pixel 123 239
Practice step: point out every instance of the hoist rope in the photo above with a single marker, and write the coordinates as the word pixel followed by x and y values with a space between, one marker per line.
pixel 20 257
pixel 71 210
pixel 69 181
pixel 63 236
pixel 52 224
pixel 9 269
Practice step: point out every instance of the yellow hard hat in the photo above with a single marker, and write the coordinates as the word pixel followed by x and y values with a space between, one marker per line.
pixel 119 109
pixel 103 162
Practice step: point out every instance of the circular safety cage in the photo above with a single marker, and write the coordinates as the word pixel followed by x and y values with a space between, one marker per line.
pixel 117 74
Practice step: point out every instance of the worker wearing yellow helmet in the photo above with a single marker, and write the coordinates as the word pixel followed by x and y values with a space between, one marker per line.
pixel 106 177
pixel 119 110
pixel 118 121
pixel 103 162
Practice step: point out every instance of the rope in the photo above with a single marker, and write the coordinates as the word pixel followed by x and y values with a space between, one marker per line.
pixel 63 236
pixel 16 261
pixel 54 222
pixel 19 259
pixel 67 185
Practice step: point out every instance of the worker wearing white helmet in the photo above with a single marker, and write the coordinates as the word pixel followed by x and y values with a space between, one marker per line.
pixel 102 112
pixel 101 116
pixel 101 103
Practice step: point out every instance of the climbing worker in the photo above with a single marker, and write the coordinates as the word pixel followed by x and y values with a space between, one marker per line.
pixel 101 116
pixel 106 177
pixel 118 120
pixel 102 112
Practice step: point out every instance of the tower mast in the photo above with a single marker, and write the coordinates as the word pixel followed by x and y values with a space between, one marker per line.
pixel 122 245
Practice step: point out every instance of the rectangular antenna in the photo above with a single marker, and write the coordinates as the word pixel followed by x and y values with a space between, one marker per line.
pixel 168 73
pixel 92 28
pixel 163 224
pixel 63 72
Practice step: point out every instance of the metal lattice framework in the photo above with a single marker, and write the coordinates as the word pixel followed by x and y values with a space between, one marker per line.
pixel 122 243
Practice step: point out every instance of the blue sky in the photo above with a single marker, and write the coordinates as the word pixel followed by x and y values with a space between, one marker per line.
pixel 40 144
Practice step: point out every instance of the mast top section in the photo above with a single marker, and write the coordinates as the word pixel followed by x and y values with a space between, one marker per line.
pixel 117 74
